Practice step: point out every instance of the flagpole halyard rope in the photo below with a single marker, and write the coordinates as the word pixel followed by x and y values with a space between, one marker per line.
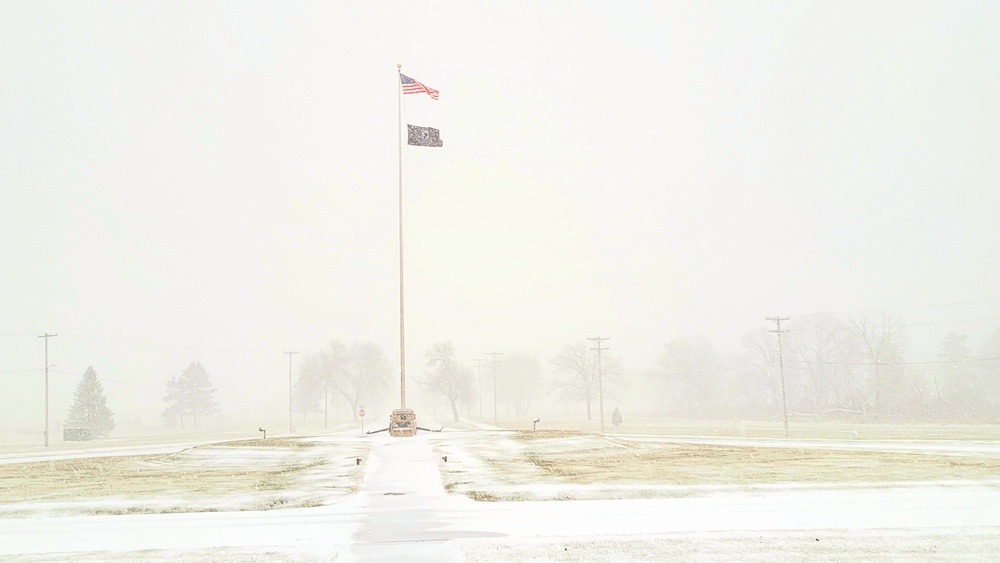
pixel 402 334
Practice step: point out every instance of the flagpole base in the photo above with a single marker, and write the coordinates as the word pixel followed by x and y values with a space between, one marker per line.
pixel 402 423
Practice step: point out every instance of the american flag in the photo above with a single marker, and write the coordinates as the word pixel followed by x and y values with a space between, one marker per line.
pixel 411 86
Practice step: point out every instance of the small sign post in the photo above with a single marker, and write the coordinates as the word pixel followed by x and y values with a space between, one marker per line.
pixel 361 413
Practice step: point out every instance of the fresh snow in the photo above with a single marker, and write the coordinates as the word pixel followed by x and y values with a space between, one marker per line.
pixel 402 512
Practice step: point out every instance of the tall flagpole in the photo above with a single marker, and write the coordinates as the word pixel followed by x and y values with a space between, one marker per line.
pixel 402 334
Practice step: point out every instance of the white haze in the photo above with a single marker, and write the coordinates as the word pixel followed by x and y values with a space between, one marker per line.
pixel 217 182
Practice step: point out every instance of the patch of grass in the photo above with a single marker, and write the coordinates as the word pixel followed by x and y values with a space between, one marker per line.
pixel 557 464
pixel 138 484
pixel 484 496
pixel 143 509
pixel 807 429
pixel 283 442
pixel 701 464
pixel 546 434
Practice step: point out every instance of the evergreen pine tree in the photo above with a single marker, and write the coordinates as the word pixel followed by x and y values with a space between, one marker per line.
pixel 616 417
pixel 90 406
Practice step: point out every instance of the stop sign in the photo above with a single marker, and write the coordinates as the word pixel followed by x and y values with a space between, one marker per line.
pixel 361 413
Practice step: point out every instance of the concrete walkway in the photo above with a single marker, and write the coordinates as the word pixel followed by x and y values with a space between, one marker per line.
pixel 403 505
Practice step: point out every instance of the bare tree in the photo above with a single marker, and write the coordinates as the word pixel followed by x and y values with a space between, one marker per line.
pixel 956 381
pixel 578 365
pixel 881 340
pixel 357 370
pixel 448 377
pixel 353 371
pixel 822 349
pixel 761 382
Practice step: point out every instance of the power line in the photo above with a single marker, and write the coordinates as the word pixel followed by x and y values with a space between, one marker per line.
pixel 172 345
pixel 663 374
pixel 953 321
pixel 636 347
pixel 696 372
pixel 669 336
pixel 262 381
pixel 18 371
pixel 935 362
pixel 963 303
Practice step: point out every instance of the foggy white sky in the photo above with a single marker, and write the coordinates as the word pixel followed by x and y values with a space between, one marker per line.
pixel 217 181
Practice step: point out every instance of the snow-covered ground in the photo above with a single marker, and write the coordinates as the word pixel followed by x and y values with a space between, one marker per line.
pixel 224 476
pixel 558 465
pixel 403 512
pixel 14 451
pixel 952 447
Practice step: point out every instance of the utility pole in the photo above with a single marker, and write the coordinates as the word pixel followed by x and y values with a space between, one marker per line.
pixel 495 363
pixel 600 383
pixel 479 370
pixel 781 366
pixel 47 336
pixel 290 354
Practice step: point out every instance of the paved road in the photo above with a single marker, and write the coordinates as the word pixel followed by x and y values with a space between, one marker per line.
pixel 402 513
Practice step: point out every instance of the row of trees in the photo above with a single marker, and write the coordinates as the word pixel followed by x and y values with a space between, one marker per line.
pixel 834 366
pixel 853 366
pixel 859 364
pixel 190 394
pixel 359 372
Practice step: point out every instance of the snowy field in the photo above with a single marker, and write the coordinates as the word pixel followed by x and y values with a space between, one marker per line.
pixel 569 465
pixel 232 475
pixel 549 496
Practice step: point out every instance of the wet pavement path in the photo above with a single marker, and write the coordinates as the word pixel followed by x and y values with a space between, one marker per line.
pixel 405 511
